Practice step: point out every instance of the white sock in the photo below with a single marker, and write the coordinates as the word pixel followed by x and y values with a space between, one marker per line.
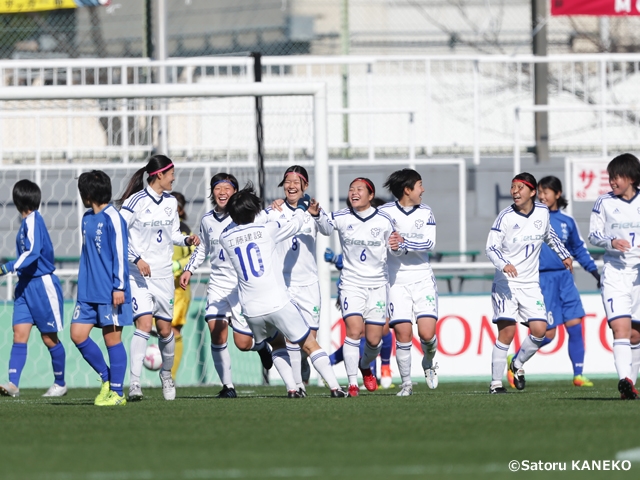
pixel 321 363
pixel 498 362
pixel 403 357
pixel 296 363
pixel 283 365
pixel 635 362
pixel 351 354
pixel 622 357
pixel 167 350
pixel 137 351
pixel 222 362
pixel 370 354
pixel 429 349
pixel 528 349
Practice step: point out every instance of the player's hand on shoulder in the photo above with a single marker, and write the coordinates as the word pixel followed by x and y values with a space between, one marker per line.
pixel 118 297
pixel 192 240
pixel 277 204
pixel 568 263
pixel 314 208
pixel 510 271
pixel 620 245
pixel 184 279
pixel 144 268
pixel 304 202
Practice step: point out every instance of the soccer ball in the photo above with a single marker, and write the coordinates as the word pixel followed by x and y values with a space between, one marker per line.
pixel 152 358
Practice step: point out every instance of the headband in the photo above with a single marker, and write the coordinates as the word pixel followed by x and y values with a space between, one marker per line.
pixel 161 170
pixel 298 174
pixel 224 181
pixel 525 182
pixel 373 190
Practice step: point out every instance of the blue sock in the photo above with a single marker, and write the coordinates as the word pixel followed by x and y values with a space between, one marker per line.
pixel 16 362
pixel 92 354
pixel 576 348
pixel 57 361
pixel 336 357
pixel 117 366
pixel 387 346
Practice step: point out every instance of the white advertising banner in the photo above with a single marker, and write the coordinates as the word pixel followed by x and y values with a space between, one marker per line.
pixel 589 180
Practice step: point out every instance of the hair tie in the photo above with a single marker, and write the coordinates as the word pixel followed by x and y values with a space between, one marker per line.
pixel 161 170
pixel 523 181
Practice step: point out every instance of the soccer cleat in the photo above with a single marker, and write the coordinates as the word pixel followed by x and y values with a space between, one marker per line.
pixel 369 380
pixel 9 390
pixel 265 356
pixel 582 381
pixel 353 391
pixel 293 394
pixel 431 376
pixel 135 392
pixel 227 392
pixel 518 375
pixel 385 380
pixel 302 392
pixel 55 390
pixel 509 372
pixel 168 387
pixel 338 393
pixel 407 390
pixel 627 390
pixel 112 400
pixel 104 392
pixel 496 389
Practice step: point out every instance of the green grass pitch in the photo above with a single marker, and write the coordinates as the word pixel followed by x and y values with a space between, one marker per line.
pixel 456 431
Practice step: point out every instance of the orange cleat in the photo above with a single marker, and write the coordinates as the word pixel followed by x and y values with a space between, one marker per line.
pixel 509 372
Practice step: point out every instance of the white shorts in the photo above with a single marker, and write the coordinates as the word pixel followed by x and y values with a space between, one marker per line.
pixel 308 299
pixel 151 296
pixel 289 321
pixel 225 305
pixel 369 303
pixel 517 304
pixel 416 300
pixel 621 293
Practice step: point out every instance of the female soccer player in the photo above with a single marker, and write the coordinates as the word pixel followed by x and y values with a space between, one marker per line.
pixel 222 291
pixel 513 246
pixel 561 296
pixel 38 295
pixel 413 291
pixel 365 236
pixel 104 294
pixel 615 227
pixel 154 227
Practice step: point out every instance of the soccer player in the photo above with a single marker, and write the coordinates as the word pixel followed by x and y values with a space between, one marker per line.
pixel 266 303
pixel 223 305
pixel 513 246
pixel 38 296
pixel 615 226
pixel 413 292
pixel 104 294
pixel 154 227
pixel 366 234
pixel 561 296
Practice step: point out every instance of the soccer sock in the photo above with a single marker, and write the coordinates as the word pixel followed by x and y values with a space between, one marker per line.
pixel 167 350
pixel 545 341
pixel 635 362
pixel 178 356
pixel 622 357
pixel 295 357
pixel 93 355
pixel 372 365
pixel 222 362
pixel 117 367
pixel 529 347
pixel 429 349
pixel 283 364
pixel 136 353
pixel 57 362
pixel 498 362
pixel 370 354
pixel 351 352
pixel 576 348
pixel 321 363
pixel 403 357
pixel 336 357
pixel 16 362
pixel 387 346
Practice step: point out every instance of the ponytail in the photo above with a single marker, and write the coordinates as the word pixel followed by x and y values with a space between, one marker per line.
pixel 156 164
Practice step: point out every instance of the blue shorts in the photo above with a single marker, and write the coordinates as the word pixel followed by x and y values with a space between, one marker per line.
pixel 561 297
pixel 103 314
pixel 38 301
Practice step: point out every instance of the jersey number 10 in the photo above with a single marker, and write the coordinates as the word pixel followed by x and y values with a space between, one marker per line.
pixel 255 272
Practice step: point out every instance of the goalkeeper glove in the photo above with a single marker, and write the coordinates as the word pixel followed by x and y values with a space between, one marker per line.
pixel 596 275
pixel 3 270
pixel 303 203
pixel 329 255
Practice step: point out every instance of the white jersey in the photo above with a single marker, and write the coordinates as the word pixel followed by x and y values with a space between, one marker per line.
pixel 364 242
pixel 223 275
pixel 252 251
pixel 299 252
pixel 516 239
pixel 417 226
pixel 614 218
pixel 154 227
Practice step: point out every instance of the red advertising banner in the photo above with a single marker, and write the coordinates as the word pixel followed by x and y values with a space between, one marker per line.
pixel 595 7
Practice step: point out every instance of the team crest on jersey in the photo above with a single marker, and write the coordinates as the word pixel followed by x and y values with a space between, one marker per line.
pixel 538 224
pixel 307 218
pixel 419 223
pixel 168 211
pixel 638 209
pixel 375 232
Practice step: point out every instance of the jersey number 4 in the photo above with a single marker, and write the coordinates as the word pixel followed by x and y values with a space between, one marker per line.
pixel 256 272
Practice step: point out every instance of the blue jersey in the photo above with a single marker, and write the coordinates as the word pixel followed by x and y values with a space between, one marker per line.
pixel 104 267
pixel 567 230
pixel 34 249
